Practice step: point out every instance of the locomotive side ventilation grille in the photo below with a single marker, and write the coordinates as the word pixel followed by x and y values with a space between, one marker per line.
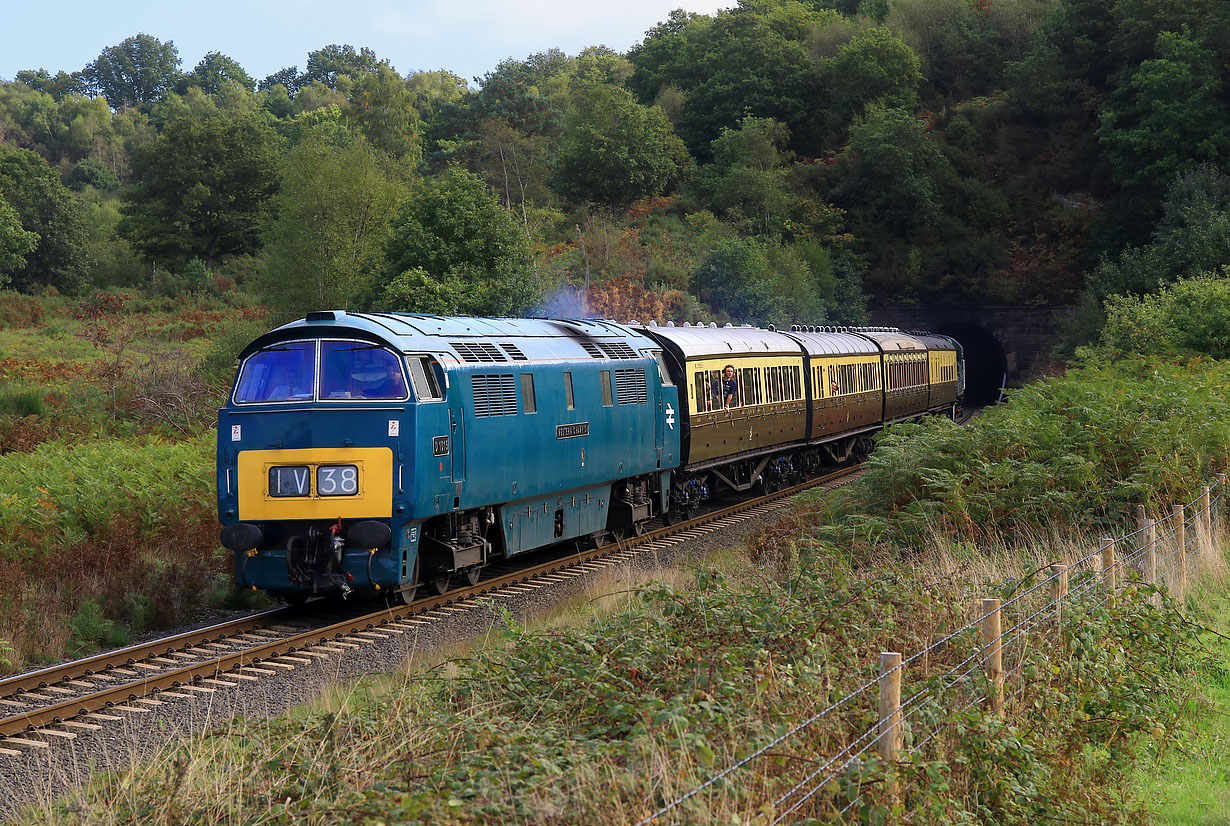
pixel 494 395
pixel 513 351
pixel 630 386
pixel 617 349
pixel 477 351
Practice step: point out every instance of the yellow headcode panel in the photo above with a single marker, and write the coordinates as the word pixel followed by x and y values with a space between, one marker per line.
pixel 316 483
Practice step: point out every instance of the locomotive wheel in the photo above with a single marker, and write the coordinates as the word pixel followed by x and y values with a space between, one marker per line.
pixel 471 575
pixel 438 585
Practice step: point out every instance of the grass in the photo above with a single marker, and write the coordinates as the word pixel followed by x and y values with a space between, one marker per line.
pixel 637 690
pixel 1190 784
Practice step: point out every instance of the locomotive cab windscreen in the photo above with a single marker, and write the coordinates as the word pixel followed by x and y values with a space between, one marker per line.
pixel 327 370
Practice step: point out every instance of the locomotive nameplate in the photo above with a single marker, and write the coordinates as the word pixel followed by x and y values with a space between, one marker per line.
pixel 439 445
pixel 571 431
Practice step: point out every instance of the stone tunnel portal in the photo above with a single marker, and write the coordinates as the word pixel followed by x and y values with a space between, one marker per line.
pixel 986 366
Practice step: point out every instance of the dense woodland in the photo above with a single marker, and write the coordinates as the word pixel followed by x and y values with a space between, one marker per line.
pixel 779 161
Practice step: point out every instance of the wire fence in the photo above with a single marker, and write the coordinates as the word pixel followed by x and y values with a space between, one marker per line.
pixel 1156 554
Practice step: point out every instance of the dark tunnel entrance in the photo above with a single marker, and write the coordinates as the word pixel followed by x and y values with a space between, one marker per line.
pixel 985 364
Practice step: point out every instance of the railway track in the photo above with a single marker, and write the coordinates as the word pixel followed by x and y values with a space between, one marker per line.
pixel 56 703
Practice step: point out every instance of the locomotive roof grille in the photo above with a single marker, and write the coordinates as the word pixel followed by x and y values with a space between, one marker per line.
pixel 617 349
pixel 514 351
pixel 477 351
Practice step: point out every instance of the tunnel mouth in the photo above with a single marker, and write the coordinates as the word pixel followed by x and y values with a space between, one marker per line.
pixel 986 366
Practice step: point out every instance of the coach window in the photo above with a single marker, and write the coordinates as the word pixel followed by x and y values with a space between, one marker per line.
pixel 528 403
pixel 607 400
pixel 568 390
pixel 748 386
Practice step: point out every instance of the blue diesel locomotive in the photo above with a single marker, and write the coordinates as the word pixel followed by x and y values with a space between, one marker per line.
pixel 381 452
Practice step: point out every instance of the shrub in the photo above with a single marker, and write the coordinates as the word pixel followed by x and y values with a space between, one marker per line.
pixel 91 632
pixel 1191 316
pixel 1063 453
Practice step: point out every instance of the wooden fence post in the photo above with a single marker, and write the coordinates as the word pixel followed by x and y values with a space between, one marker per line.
pixel 1180 542
pixel 1150 538
pixel 1109 573
pixel 992 640
pixel 891 735
pixel 1221 494
pixel 1059 590
pixel 1206 514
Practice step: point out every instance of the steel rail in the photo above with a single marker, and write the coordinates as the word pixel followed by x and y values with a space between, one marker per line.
pixel 120 657
pixel 217 667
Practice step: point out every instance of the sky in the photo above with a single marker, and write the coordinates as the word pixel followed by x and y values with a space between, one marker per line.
pixel 467 37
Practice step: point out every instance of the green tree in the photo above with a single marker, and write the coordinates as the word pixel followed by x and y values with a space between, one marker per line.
pixel 15 243
pixel 614 150
pixel 755 281
pixel 892 177
pixel 48 211
pixel 734 280
pixel 136 72
pixel 215 73
pixel 1192 238
pixel 1168 117
pixel 204 188
pixel 333 210
pixel 874 66
pixel 287 78
pixel 383 108
pixel 746 183
pixel 59 86
pixel 750 61
pixel 453 231
pixel 326 65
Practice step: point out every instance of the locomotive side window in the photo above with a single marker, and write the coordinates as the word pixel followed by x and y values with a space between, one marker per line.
pixel 355 370
pixel 663 373
pixel 528 403
pixel 607 399
pixel 424 380
pixel 284 373
pixel 568 390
